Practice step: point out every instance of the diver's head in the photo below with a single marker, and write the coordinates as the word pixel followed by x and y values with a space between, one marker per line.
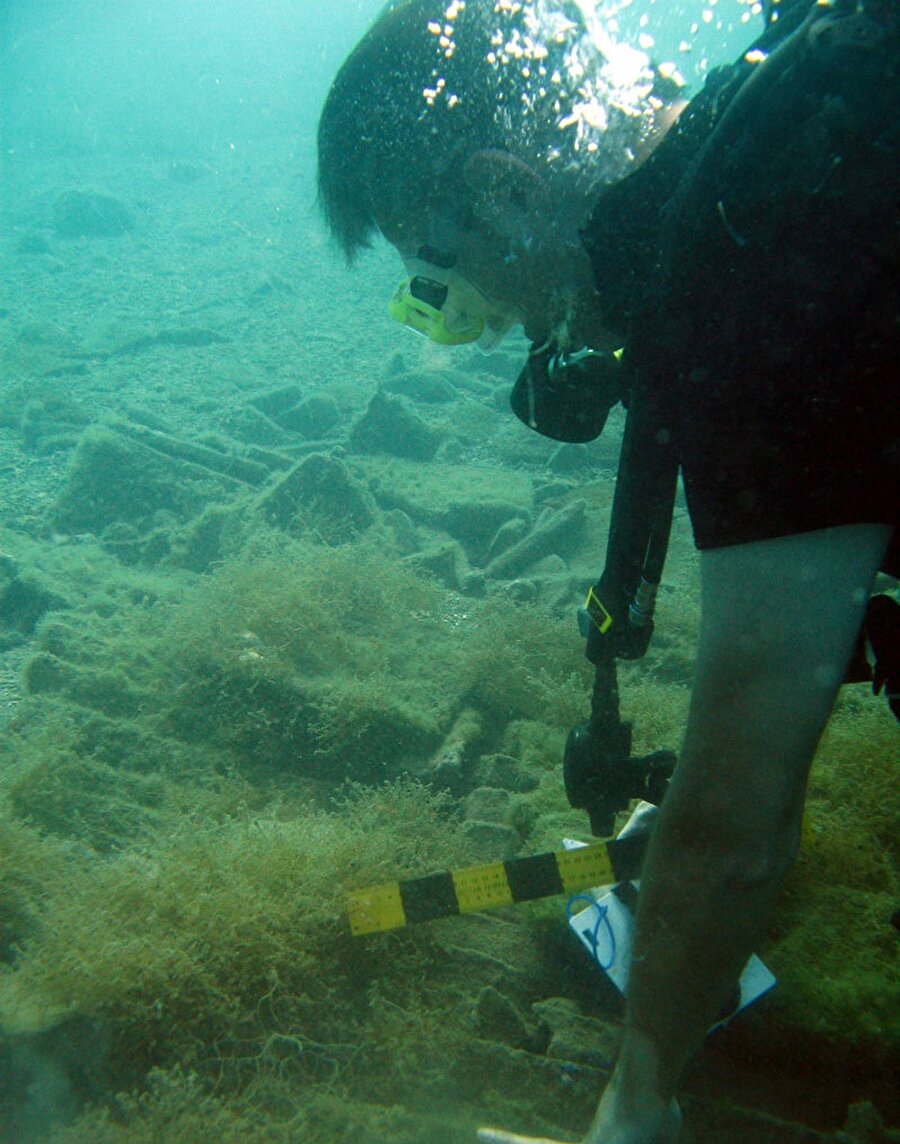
pixel 481 130
pixel 493 250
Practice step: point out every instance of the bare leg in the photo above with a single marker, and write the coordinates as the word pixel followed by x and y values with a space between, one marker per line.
pixel 779 621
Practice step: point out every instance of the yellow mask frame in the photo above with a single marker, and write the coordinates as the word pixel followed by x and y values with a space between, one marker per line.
pixel 413 305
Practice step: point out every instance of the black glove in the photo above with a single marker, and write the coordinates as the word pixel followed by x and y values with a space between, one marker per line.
pixel 879 640
pixel 568 400
pixel 883 629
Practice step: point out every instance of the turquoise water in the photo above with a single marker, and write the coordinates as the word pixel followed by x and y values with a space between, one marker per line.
pixel 273 574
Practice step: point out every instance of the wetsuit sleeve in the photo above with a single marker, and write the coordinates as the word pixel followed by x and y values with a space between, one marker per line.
pixel 770 321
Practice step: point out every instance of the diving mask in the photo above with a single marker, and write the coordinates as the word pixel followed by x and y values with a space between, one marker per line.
pixel 439 303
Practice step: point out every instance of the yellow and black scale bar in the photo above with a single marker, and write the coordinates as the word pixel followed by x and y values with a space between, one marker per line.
pixel 453 892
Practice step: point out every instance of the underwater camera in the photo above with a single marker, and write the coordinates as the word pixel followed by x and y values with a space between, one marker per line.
pixel 602 777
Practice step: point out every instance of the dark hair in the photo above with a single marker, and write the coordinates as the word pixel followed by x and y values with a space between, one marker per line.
pixel 434 80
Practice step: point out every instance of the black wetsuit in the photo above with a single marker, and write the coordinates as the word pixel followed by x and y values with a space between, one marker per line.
pixel 759 302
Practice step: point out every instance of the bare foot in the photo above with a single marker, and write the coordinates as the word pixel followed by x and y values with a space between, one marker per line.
pixel 660 1129
pixel 498 1136
pixel 645 1127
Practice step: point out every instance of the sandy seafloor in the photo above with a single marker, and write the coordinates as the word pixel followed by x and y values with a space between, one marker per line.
pixel 230 587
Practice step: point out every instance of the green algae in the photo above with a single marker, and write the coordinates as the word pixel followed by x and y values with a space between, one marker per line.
pixel 835 948
pixel 223 951
pixel 174 864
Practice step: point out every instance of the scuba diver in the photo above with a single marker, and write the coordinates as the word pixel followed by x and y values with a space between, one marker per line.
pixel 742 248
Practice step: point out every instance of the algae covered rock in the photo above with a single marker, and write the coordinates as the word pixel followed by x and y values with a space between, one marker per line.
pixel 449 766
pixel 575 1037
pixel 24 600
pixel 83 798
pixel 251 426
pixel 274 402
pixel 427 387
pixel 492 841
pixel 505 772
pixel 508 534
pixel 470 502
pixel 489 822
pixel 51 422
pixel 390 426
pixel 21 887
pixel 202 542
pixel 106 690
pixel 319 495
pixel 555 530
pixel 33 243
pixel 314 416
pixel 47 418
pixel 445 562
pixel 497 1017
pixel 404 531
pixel 90 214
pixel 570 460
pixel 488 804
pixel 114 478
